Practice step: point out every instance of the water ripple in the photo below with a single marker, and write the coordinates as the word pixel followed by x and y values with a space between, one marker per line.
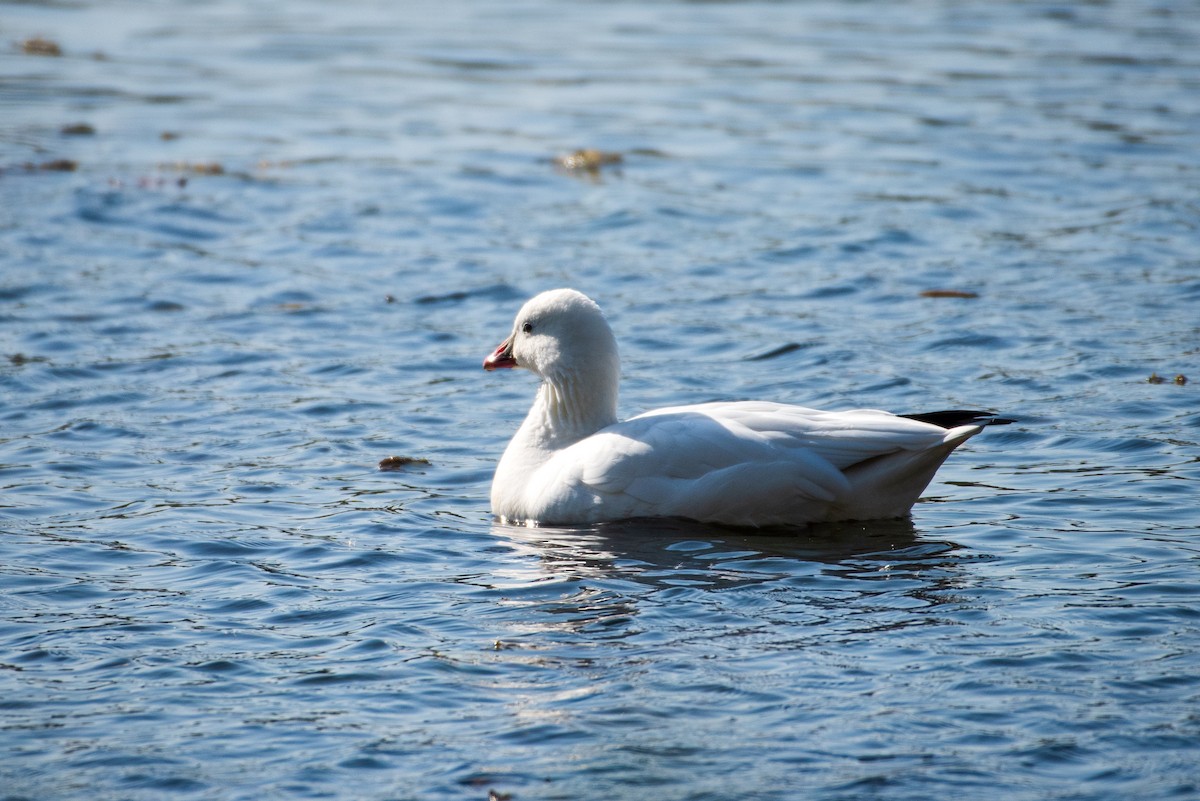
pixel 289 240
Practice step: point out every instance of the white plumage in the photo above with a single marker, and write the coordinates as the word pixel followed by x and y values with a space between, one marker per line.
pixel 747 463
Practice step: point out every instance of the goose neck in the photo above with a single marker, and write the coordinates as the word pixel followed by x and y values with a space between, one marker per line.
pixel 571 409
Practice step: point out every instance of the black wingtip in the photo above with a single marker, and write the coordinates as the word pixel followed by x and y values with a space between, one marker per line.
pixel 952 418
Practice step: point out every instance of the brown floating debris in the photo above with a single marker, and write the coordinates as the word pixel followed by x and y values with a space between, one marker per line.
pixel 78 129
pixel 401 462
pixel 148 182
pixel 588 160
pixel 197 167
pixel 948 293
pixel 59 165
pixel 37 46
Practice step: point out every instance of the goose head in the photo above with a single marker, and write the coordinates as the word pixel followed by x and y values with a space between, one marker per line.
pixel 562 337
pixel 558 331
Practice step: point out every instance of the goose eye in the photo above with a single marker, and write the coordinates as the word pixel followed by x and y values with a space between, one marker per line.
pixel 527 328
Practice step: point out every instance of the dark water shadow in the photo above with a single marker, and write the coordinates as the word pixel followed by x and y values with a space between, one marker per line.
pixel 670 551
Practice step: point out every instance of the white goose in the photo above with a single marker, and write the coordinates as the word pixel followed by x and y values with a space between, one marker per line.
pixel 749 463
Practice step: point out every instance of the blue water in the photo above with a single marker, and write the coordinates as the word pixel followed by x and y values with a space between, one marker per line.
pixel 294 232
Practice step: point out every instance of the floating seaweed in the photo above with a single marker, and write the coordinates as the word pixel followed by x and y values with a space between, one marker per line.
pixel 38 46
pixel 392 463
pixel 59 165
pixel 588 160
pixel 197 167
pixel 948 293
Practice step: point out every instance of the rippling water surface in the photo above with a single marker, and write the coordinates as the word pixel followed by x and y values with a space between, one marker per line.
pixel 292 232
